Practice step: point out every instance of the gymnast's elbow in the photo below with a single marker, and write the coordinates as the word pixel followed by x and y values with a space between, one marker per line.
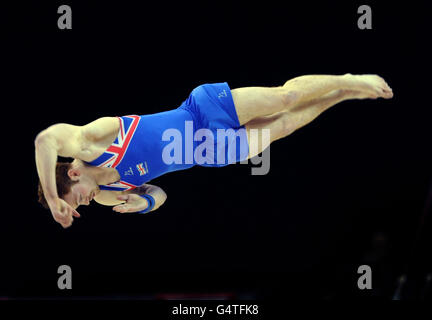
pixel 161 198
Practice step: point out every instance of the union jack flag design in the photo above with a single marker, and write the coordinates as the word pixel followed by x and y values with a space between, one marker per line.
pixel 118 186
pixel 113 156
pixel 115 153
pixel 141 169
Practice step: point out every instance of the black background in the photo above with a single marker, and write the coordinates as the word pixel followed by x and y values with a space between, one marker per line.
pixel 361 171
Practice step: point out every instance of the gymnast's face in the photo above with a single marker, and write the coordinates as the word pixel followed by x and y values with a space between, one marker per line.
pixel 83 191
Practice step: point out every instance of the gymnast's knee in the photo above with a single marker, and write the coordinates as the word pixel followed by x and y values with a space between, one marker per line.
pixel 289 97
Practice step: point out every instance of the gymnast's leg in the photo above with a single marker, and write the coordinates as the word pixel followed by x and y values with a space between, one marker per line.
pixel 284 123
pixel 254 102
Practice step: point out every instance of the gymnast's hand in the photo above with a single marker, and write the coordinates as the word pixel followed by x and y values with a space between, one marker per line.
pixel 63 213
pixel 134 203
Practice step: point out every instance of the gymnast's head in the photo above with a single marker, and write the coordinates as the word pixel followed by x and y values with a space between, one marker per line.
pixel 75 185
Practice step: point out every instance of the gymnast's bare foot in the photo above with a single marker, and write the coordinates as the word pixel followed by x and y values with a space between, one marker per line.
pixel 371 86
pixel 358 94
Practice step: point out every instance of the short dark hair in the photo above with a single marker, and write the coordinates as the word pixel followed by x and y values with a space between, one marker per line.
pixel 63 181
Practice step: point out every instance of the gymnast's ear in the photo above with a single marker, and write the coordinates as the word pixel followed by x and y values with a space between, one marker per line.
pixel 74 174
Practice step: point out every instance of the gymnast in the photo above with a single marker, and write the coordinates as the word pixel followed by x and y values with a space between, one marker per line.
pixel 115 157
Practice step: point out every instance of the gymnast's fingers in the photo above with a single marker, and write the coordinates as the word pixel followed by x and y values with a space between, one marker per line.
pixel 122 208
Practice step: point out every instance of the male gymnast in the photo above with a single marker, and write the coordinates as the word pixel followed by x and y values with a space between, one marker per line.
pixel 115 157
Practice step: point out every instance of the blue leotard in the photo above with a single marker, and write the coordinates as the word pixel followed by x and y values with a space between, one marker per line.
pixel 149 146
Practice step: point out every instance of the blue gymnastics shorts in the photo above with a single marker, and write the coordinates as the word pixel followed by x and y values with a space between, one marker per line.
pixel 212 108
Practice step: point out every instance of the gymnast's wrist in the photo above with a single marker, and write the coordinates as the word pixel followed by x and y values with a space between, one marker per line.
pixel 150 203
pixel 52 201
